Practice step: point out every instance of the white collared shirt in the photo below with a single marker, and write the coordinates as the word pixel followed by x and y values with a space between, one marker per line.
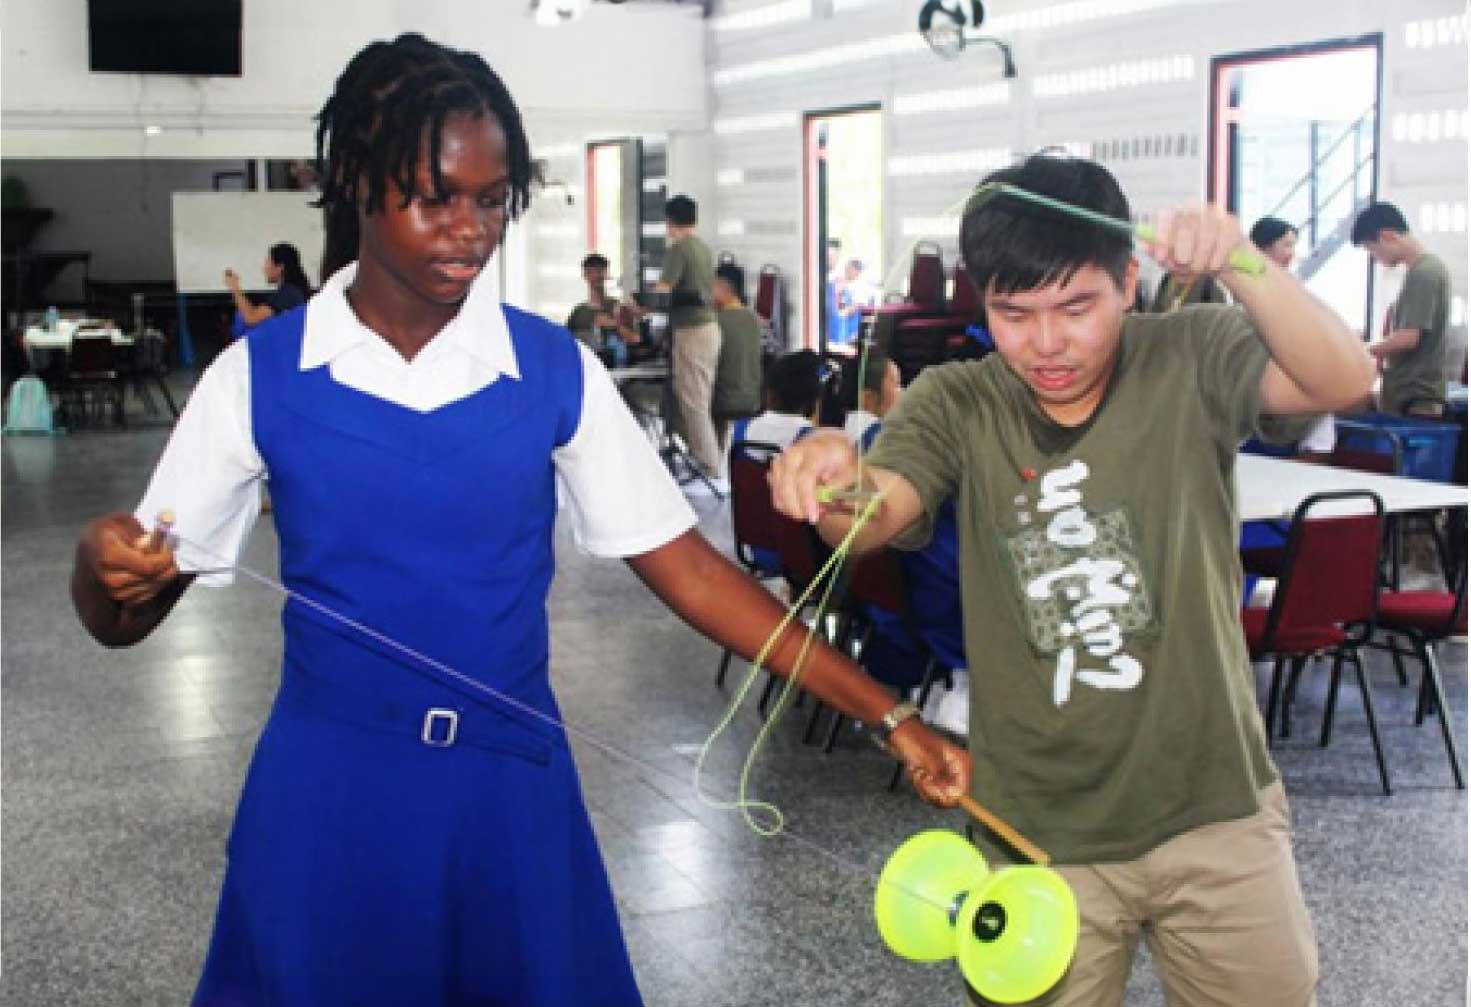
pixel 621 499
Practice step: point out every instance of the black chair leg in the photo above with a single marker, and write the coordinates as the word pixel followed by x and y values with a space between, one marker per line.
pixel 832 732
pixel 1289 693
pixel 1363 677
pixel 1422 698
pixel 898 775
pixel 1442 711
pixel 1399 664
pixel 724 667
pixel 766 693
pixel 1330 705
pixel 926 682
pixel 817 707
pixel 1274 695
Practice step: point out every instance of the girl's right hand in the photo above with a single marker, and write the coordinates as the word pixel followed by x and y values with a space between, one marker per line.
pixel 132 565
pixel 822 458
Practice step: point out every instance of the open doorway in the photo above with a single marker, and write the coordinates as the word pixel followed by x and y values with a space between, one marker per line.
pixel 843 207
pixel 613 207
pixel 1295 135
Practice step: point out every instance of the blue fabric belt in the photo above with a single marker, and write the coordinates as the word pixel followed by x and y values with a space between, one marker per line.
pixel 436 726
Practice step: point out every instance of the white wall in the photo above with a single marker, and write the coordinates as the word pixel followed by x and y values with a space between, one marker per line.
pixel 871 52
pixel 628 67
pixel 622 70
pixel 119 211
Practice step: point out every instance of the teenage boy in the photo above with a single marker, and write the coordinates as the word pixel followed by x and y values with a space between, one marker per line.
pixel 1412 351
pixel 1113 706
pixel 598 319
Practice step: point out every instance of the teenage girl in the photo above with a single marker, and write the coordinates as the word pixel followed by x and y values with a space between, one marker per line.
pixel 402 837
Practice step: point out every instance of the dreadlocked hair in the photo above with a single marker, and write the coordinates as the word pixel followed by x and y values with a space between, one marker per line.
pixel 369 131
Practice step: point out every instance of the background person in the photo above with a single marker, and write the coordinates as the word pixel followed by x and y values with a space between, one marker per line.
pixel 738 372
pixel 687 277
pixel 601 318
pixel 1412 350
pixel 283 272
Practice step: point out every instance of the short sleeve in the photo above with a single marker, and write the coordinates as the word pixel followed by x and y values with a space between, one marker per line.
pixel 674 265
pixel 210 472
pixel 1231 359
pixel 621 498
pixel 284 298
pixel 919 441
pixel 1418 306
pixel 580 320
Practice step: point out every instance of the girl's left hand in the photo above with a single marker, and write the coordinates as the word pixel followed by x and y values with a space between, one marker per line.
pixel 1196 240
pixel 232 281
pixel 939 769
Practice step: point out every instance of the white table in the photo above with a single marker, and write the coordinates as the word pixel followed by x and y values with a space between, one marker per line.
pixel 39 338
pixel 1271 488
pixel 652 371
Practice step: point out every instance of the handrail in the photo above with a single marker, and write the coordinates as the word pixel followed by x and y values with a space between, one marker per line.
pixel 1351 178
pixel 1352 128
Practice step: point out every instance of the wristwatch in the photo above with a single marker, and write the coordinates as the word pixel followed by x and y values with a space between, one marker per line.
pixel 890 721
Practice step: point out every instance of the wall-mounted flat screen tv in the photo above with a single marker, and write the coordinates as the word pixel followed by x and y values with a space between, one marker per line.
pixel 190 37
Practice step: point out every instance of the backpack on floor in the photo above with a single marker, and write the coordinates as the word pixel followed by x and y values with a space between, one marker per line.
pixel 30 407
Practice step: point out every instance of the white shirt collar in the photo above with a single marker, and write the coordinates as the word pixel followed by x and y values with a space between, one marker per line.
pixel 479 329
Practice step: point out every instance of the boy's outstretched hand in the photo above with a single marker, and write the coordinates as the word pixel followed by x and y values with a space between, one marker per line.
pixel 822 458
pixel 132 566
pixel 939 769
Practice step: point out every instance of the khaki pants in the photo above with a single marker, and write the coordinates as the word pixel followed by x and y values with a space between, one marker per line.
pixel 1221 908
pixel 696 352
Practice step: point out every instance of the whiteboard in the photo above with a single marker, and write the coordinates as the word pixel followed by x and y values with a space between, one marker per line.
pixel 215 231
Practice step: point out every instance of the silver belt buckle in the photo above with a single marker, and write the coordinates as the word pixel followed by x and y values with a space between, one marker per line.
pixel 451 719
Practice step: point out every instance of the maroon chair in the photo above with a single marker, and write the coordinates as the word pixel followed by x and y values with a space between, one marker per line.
pixel 1422 619
pixel 917 342
pixel 768 304
pixel 1324 603
pixel 926 297
pixel 801 555
pixel 755 523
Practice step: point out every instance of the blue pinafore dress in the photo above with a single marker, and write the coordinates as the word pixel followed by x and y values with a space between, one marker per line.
pixel 403 839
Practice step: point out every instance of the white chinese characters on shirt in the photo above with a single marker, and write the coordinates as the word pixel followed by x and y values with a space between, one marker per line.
pixel 1082 585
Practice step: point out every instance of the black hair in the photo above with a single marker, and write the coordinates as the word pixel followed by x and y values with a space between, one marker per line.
pixel 734 277
pixel 1009 244
pixel 834 242
pixel 595 259
pixel 285 255
pixel 391 96
pixel 683 211
pixel 1375 218
pixel 793 383
pixel 856 264
pixel 1266 232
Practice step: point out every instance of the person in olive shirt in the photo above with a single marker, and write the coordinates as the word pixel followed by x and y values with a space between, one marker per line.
pixel 687 277
pixel 738 373
pixel 597 319
pixel 1113 712
pixel 1412 352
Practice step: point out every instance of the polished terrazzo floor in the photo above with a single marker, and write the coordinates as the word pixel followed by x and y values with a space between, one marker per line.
pixel 121 769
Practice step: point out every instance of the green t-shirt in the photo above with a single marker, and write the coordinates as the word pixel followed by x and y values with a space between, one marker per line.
pixel 689 269
pixel 581 321
pixel 1424 304
pixel 1113 703
pixel 738 372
